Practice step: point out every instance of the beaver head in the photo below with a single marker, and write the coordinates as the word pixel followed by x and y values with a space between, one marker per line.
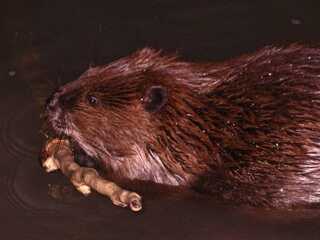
pixel 139 116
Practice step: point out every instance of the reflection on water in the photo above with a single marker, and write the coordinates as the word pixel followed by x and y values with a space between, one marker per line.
pixel 53 42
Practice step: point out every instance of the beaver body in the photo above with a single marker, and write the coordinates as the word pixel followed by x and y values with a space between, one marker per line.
pixel 246 130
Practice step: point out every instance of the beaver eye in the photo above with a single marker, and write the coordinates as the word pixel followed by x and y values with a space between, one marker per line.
pixel 92 100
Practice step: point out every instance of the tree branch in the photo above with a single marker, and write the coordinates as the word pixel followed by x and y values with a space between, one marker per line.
pixel 58 154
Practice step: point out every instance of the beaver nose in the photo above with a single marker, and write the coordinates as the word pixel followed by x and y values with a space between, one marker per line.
pixel 51 104
pixel 61 100
pixel 53 101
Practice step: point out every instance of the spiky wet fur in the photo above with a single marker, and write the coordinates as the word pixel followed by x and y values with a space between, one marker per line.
pixel 245 130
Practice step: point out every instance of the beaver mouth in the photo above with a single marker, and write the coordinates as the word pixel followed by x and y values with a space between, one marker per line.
pixel 59 126
pixel 56 122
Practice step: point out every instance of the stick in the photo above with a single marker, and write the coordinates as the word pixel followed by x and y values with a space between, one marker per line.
pixel 58 155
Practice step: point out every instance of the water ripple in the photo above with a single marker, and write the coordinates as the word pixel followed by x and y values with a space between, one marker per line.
pixel 20 141
pixel 13 133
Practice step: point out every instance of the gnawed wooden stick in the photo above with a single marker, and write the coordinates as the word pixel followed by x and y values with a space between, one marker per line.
pixel 58 155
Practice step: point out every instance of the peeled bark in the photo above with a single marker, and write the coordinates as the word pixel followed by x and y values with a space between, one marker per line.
pixel 58 155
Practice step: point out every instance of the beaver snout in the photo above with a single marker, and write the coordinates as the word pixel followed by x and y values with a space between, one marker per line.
pixel 61 100
pixel 54 111
pixel 52 103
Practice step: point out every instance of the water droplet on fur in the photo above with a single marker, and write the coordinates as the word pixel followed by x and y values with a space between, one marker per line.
pixel 281 190
pixel 309 57
pixel 189 114
pixel 269 74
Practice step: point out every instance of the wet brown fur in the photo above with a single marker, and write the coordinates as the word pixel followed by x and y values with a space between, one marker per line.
pixel 245 130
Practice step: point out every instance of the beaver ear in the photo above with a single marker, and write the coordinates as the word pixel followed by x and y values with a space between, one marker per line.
pixel 155 98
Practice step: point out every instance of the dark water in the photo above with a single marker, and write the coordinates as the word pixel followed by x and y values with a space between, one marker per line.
pixel 46 43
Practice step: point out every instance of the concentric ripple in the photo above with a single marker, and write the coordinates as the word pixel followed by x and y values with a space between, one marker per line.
pixel 14 133
pixel 20 144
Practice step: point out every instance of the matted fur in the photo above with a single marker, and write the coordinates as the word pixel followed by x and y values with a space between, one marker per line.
pixel 245 130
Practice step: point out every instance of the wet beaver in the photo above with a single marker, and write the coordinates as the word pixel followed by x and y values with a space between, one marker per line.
pixel 246 130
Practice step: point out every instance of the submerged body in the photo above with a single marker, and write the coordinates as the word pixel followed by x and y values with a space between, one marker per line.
pixel 245 130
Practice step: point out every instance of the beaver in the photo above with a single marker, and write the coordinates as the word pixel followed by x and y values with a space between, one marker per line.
pixel 245 130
